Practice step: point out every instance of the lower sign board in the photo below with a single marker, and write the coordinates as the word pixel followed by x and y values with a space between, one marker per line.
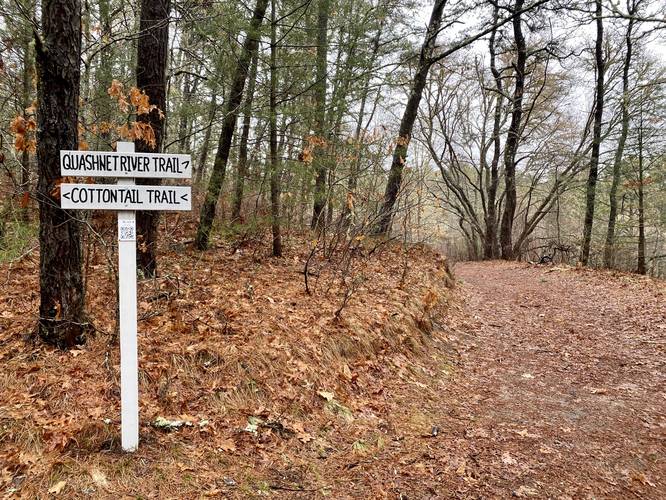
pixel 125 197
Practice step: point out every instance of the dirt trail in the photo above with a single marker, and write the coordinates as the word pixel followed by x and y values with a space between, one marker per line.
pixel 561 388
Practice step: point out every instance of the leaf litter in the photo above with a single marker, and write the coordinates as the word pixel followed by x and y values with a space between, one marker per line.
pixel 234 359
pixel 230 343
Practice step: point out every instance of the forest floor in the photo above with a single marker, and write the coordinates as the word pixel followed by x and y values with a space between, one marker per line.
pixel 562 388
pixel 526 381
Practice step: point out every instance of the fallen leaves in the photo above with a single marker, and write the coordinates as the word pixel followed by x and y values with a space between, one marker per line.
pixel 526 491
pixel 57 488
pixel 227 445
pixel 166 424
pixel 99 478
pixel 507 459
pixel 288 379
pixel 301 434
pixel 527 434
pixel 328 396
pixel 642 478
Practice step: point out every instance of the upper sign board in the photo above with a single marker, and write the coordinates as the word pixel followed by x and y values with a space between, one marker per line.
pixel 125 197
pixel 112 164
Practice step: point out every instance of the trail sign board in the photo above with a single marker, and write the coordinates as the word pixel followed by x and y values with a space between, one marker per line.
pixel 122 164
pixel 121 197
pixel 126 197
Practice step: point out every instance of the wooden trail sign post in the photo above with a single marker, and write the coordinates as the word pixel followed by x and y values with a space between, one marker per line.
pixel 126 198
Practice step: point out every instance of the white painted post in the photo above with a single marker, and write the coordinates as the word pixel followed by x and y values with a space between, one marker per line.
pixel 129 363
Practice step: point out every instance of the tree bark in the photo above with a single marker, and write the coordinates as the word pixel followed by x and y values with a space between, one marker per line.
pixel 348 208
pixel 591 187
pixel 62 317
pixel 231 116
pixel 408 118
pixel 319 161
pixel 274 162
pixel 104 77
pixel 641 268
pixel 513 137
pixel 203 158
pixel 490 244
pixel 183 119
pixel 151 66
pixel 609 246
pixel 241 169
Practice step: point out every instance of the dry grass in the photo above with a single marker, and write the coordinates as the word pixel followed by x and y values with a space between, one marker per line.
pixel 225 338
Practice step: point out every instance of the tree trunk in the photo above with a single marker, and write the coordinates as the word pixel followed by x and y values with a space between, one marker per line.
pixel 609 246
pixel 183 118
pixel 241 170
pixel 408 118
pixel 151 65
pixel 62 317
pixel 209 206
pixel 348 208
pixel 274 166
pixel 490 244
pixel 104 78
pixel 513 137
pixel 641 267
pixel 319 161
pixel 591 188
pixel 203 158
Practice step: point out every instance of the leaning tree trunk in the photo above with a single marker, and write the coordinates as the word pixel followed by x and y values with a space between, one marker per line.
pixel 231 116
pixel 241 169
pixel 62 317
pixel 591 188
pixel 609 247
pixel 151 78
pixel 408 118
pixel 513 138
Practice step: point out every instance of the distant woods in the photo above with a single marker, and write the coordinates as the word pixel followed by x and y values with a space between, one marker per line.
pixel 515 130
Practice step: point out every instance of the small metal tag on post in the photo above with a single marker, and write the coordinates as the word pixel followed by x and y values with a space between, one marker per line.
pixel 129 363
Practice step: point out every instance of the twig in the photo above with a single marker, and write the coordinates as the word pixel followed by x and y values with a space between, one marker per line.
pixel 287 488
